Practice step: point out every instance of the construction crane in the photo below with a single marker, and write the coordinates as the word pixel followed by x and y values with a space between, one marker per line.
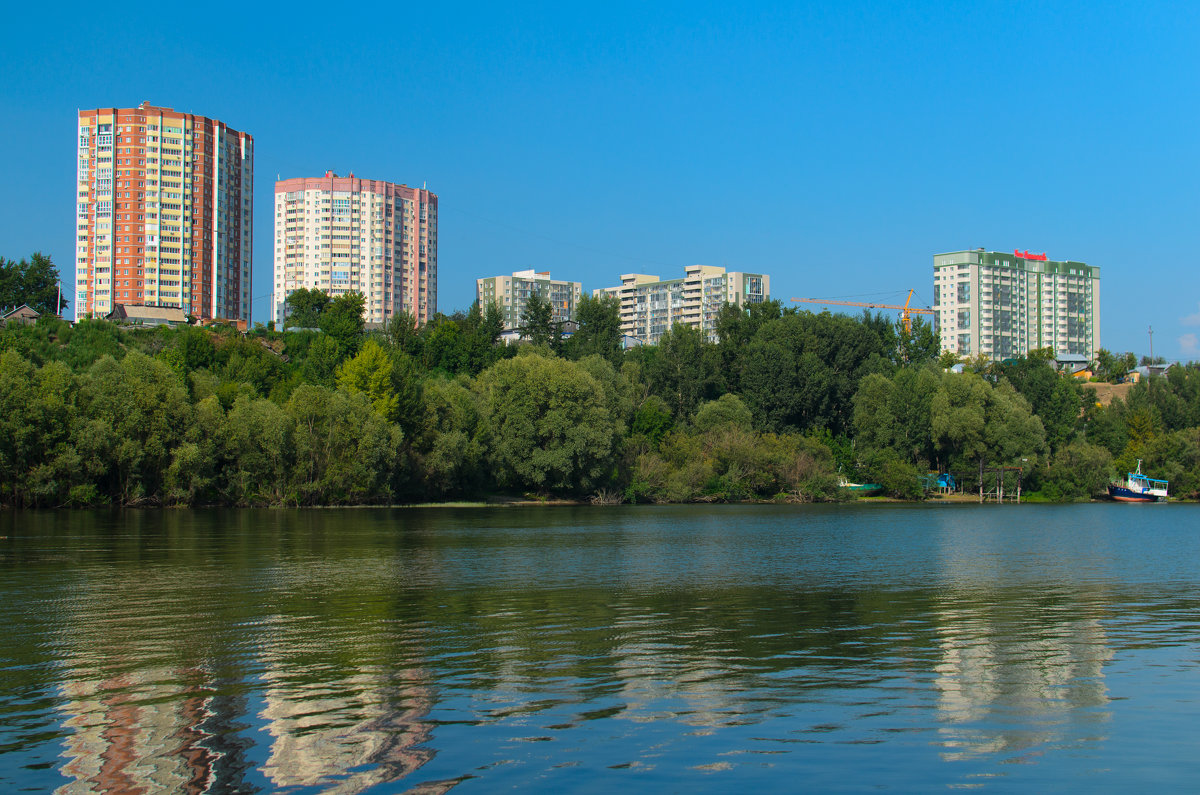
pixel 906 311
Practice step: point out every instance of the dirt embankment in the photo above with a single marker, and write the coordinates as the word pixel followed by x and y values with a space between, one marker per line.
pixel 1105 393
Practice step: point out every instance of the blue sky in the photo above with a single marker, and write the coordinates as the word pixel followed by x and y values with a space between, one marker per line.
pixel 836 146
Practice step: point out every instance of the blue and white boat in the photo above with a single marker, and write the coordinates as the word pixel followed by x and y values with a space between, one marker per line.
pixel 1138 488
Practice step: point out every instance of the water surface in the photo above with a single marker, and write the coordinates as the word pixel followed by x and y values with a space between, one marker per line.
pixel 675 649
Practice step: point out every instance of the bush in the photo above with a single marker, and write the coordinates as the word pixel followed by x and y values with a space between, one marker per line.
pixel 1077 472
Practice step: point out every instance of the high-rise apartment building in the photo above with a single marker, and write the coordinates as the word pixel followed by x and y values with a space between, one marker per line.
pixel 165 214
pixel 1004 305
pixel 511 293
pixel 651 306
pixel 344 234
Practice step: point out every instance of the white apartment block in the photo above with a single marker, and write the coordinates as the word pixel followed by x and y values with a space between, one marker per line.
pixel 511 293
pixel 345 234
pixel 1004 305
pixel 651 306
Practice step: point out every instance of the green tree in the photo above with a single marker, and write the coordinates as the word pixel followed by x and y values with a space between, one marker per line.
pixel 736 326
pixel 304 307
pixel 770 384
pixel 900 479
pixel 958 419
pixel 726 411
pixel 448 448
pixel 482 335
pixel 492 325
pixel 802 370
pixel 345 453
pixel 1175 457
pixel 1054 397
pixel 32 281
pixel 145 406
pixel 343 322
pixel 546 424
pixel 321 362
pixel 246 361
pixel 652 420
pixel 447 347
pixel 370 372
pixel 1105 426
pixel 38 463
pixel 195 346
pixel 599 330
pixel 537 320
pixel 200 460
pixel 88 341
pixel 1114 367
pixel 892 425
pixel 257 438
pixel 403 334
pixel 947 359
pixel 681 369
pixel 1014 434
pixel 919 344
pixel 1077 471
pixel 407 386
pixel 971 422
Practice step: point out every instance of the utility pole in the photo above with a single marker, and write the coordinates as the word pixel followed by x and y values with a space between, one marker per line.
pixel 1151 330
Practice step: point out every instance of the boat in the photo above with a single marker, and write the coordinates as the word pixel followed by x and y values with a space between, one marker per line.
pixel 863 489
pixel 1138 488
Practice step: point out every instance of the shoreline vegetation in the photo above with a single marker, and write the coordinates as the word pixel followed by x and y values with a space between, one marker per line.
pixel 783 407
pixel 958 498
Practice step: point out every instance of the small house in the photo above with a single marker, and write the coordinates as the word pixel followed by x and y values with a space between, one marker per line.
pixel 146 315
pixel 24 315
pixel 1075 364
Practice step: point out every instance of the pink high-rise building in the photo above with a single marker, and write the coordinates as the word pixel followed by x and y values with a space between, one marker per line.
pixel 345 234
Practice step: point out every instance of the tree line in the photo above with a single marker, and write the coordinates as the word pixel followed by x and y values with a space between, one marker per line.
pixel 784 404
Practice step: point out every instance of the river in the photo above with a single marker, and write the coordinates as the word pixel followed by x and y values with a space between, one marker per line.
pixel 666 649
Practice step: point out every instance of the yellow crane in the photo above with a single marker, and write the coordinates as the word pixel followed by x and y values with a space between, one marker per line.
pixel 906 311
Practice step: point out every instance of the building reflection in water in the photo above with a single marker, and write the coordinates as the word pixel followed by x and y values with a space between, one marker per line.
pixel 158 730
pixel 362 730
pixel 341 725
pixel 162 730
pixel 1019 665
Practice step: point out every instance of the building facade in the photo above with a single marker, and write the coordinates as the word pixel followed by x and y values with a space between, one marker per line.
pixel 650 306
pixel 1004 305
pixel 511 293
pixel 346 234
pixel 165 213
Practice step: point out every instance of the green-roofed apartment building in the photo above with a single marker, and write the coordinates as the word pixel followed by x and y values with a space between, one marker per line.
pixel 1003 305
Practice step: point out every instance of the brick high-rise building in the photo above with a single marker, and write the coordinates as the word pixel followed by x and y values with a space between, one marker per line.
pixel 343 234
pixel 165 213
